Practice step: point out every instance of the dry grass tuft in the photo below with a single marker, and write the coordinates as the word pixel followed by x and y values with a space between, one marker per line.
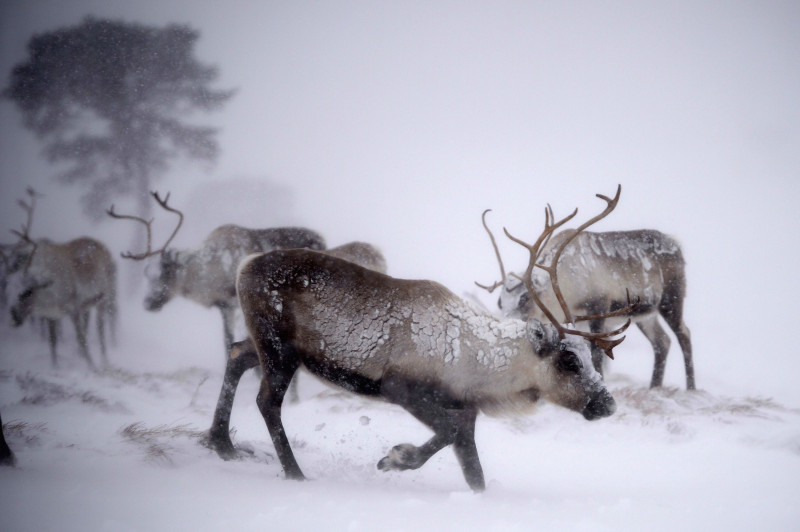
pixel 155 440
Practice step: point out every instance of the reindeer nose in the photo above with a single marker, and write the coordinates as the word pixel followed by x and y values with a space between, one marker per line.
pixel 155 301
pixel 600 405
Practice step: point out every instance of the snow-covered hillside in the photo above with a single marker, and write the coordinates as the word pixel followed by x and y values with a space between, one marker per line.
pixel 120 451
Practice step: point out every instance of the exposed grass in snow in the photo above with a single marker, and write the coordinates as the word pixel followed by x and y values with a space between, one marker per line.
pixel 123 449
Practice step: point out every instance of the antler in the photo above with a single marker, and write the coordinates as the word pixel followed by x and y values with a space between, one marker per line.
pixel 600 339
pixel 28 208
pixel 24 236
pixel 502 280
pixel 148 227
pixel 549 218
pixel 535 250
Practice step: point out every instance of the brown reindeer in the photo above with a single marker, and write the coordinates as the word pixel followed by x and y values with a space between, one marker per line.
pixel 69 280
pixel 243 356
pixel 596 273
pixel 65 280
pixel 412 343
pixel 206 274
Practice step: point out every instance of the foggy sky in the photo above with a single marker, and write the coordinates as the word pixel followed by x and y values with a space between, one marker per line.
pixel 399 123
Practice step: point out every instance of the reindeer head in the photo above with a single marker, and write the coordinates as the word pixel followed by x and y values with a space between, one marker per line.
pixel 26 301
pixel 568 349
pixel 569 378
pixel 161 276
pixel 514 300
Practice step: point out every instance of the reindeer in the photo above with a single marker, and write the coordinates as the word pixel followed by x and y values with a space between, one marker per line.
pixel 414 344
pixel 69 279
pixel 243 356
pixel 14 257
pixel 597 270
pixel 206 274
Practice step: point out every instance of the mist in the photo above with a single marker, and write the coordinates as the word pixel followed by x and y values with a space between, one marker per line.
pixel 399 123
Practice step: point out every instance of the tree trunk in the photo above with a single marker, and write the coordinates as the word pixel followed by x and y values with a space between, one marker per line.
pixel 135 269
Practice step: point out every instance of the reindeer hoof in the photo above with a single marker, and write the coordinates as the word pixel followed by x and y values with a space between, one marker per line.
pixel 401 457
pixel 221 444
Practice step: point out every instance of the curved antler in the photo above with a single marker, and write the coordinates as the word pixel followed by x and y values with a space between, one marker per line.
pixel 148 227
pixel 600 339
pixel 535 250
pixel 24 236
pixel 502 280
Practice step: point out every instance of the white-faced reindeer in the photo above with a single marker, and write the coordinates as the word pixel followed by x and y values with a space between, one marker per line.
pixel 243 355
pixel 206 275
pixel 413 343
pixel 597 271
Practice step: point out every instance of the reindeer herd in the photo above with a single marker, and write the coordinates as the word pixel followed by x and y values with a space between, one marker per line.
pixel 337 314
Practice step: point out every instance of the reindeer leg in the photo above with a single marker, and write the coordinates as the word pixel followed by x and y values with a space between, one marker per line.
pixel 270 399
pixel 52 337
pixel 671 309
pixel 465 448
pixel 228 317
pixel 451 421
pixel 219 438
pixel 660 341
pixel 685 340
pixel 101 331
pixel 80 322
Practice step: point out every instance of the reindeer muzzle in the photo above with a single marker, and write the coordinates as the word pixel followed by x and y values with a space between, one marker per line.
pixel 599 406
pixel 154 302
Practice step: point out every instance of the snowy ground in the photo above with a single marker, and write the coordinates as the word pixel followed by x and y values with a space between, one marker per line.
pixel 120 451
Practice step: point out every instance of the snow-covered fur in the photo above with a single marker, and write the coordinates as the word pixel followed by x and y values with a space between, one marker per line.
pixel 413 343
pixel 68 279
pixel 206 275
pixel 361 253
pixel 243 355
pixel 597 271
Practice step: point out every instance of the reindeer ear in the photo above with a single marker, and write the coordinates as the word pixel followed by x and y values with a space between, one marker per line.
pixel 543 337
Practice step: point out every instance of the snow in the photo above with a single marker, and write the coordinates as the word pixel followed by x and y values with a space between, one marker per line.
pixel 120 450
pixel 398 124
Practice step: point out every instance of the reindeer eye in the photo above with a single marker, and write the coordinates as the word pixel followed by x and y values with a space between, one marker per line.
pixel 523 300
pixel 568 362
